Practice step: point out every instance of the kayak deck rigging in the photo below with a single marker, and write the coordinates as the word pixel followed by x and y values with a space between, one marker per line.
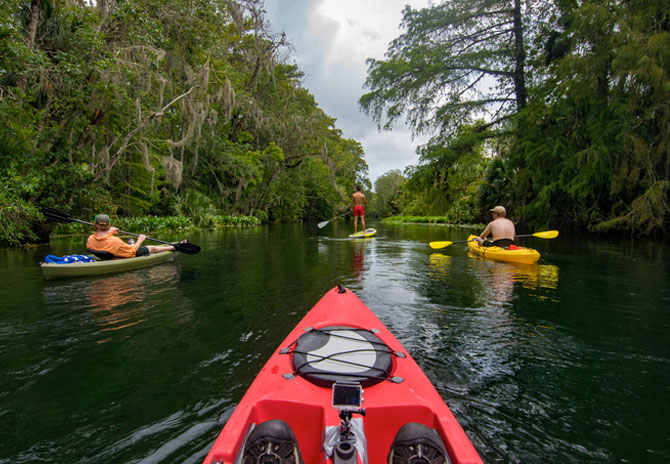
pixel 367 365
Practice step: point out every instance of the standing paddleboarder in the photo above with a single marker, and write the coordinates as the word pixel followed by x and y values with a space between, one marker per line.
pixel 357 200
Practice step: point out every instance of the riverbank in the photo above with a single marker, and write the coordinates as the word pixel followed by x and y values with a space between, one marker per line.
pixel 162 224
pixel 432 220
pixel 16 232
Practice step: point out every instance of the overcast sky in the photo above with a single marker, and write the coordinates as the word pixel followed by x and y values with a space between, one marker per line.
pixel 332 40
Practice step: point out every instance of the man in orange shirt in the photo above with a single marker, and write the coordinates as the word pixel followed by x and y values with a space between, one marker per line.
pixel 103 240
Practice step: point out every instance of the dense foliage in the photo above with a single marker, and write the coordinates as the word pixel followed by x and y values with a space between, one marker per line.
pixel 580 138
pixel 386 198
pixel 159 107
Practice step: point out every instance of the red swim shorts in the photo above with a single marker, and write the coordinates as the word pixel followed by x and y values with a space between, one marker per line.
pixel 359 211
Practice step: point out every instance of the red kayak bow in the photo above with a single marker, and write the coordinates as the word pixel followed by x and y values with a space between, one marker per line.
pixel 340 378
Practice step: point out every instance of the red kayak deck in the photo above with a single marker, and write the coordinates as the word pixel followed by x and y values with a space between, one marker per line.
pixel 279 392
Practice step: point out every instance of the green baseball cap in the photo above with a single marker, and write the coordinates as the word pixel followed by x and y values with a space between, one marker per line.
pixel 102 219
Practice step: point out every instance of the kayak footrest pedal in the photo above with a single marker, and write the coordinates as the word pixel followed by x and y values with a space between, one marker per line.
pixel 273 442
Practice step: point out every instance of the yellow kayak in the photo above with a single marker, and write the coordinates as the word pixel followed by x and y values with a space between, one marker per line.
pixel 367 233
pixel 519 255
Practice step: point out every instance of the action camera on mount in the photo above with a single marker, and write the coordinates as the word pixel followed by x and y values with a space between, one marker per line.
pixel 347 396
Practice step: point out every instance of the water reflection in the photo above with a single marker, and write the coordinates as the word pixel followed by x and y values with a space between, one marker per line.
pixel 470 281
pixel 530 378
pixel 501 285
pixel 440 265
pixel 537 276
pixel 359 260
pixel 114 302
pixel 500 279
pixel 107 298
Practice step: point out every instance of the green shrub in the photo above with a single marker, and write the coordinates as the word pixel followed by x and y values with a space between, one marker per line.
pixel 236 220
pixel 418 219
pixel 261 216
pixel 138 225
pixel 199 208
pixel 16 221
pixel 152 224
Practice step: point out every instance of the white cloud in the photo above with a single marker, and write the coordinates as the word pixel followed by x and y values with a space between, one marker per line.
pixel 392 150
pixel 332 40
pixel 353 30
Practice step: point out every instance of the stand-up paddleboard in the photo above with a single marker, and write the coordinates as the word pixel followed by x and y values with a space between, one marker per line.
pixel 367 233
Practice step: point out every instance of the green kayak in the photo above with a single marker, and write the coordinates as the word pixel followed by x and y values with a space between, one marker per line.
pixel 57 271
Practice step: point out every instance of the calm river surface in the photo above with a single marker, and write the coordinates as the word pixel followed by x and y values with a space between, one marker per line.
pixel 564 362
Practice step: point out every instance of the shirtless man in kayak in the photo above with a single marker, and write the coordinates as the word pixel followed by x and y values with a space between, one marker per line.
pixel 357 200
pixel 103 240
pixel 501 228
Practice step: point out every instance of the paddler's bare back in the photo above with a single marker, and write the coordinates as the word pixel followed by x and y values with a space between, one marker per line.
pixel 502 228
pixel 358 199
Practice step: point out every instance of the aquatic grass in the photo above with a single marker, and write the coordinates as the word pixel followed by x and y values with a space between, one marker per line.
pixel 236 221
pixel 418 219
pixel 426 220
pixel 162 224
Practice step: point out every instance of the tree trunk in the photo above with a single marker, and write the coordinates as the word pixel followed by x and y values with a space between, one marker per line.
pixel 32 25
pixel 181 155
pixel 519 58
pixel 126 200
pixel 30 42
pixel 238 195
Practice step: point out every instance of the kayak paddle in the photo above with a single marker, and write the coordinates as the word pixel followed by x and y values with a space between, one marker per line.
pixel 61 216
pixel 543 234
pixel 438 245
pixel 323 224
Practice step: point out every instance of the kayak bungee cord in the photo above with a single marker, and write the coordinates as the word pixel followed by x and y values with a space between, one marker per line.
pixel 381 347
pixel 330 333
pixel 332 357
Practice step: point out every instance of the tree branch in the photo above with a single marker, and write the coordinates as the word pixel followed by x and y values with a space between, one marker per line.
pixel 299 159
pixel 138 129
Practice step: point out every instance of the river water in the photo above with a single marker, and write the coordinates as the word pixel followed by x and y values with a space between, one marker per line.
pixel 567 361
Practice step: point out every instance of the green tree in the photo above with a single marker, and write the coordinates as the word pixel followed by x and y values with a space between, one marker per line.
pixel 594 152
pixel 446 181
pixel 162 107
pixel 388 188
pixel 455 61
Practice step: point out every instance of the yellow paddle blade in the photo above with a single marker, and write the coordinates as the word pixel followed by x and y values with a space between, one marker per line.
pixel 546 234
pixel 438 245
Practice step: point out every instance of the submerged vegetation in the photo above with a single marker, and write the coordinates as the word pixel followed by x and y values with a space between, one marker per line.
pixel 405 219
pixel 153 224
pixel 160 108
